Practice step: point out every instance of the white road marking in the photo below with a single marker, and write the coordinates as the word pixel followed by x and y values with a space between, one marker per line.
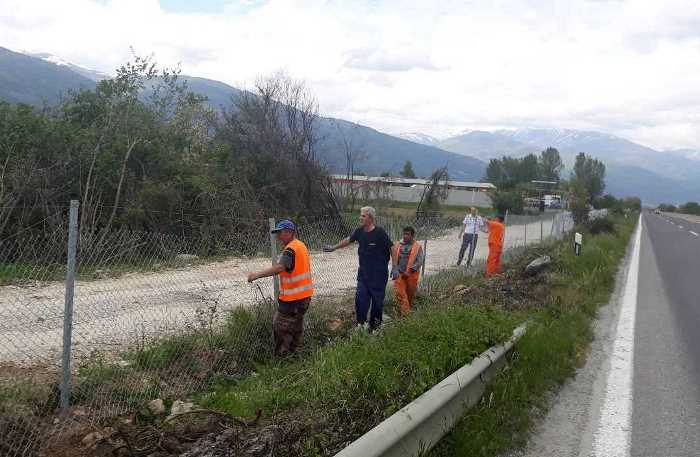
pixel 694 233
pixel 613 436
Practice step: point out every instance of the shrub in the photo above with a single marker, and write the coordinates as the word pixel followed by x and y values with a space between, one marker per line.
pixel 600 225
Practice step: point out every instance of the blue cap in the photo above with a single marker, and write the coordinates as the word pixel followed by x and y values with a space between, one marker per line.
pixel 284 224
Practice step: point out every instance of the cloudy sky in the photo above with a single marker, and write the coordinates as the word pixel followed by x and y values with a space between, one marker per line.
pixel 630 68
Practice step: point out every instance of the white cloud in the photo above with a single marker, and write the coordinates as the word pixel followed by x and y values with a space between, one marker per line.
pixel 628 68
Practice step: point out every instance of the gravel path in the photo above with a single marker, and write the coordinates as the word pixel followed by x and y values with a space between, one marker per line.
pixel 111 313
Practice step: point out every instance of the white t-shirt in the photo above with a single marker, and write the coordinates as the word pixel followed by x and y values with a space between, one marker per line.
pixel 473 223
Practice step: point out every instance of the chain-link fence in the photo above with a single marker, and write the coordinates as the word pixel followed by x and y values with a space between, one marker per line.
pixel 160 316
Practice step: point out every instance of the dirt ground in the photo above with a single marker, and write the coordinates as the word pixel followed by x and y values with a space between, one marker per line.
pixel 110 314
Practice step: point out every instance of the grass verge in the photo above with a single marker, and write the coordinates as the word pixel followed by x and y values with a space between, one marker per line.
pixel 347 387
pixel 549 353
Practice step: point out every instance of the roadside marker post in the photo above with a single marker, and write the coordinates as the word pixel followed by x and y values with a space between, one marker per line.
pixel 578 242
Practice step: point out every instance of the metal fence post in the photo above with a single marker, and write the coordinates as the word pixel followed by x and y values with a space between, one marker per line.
pixel 273 257
pixel 425 258
pixel 68 304
pixel 541 230
pixel 525 242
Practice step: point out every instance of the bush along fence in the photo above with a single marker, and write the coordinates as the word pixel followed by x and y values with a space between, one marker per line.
pixel 94 326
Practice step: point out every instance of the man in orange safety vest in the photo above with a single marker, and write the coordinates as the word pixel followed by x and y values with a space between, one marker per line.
pixel 406 263
pixel 296 288
pixel 496 230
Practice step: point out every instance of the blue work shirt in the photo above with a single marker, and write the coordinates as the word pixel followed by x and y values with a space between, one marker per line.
pixel 373 251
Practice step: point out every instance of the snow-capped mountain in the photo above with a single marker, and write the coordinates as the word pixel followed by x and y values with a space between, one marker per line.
pixel 632 168
pixel 81 70
pixel 420 138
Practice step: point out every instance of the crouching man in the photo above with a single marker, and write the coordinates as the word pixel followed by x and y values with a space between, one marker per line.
pixel 405 271
pixel 296 288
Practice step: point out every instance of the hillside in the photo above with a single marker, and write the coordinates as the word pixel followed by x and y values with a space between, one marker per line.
pixel 382 152
pixel 31 80
pixel 40 79
pixel 633 169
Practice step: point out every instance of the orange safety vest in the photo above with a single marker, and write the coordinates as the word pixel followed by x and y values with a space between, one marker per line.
pixel 496 233
pixel 296 284
pixel 411 255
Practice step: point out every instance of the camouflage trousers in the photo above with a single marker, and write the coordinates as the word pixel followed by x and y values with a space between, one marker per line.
pixel 288 325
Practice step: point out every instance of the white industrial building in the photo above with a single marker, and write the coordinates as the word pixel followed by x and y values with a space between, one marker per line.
pixel 462 193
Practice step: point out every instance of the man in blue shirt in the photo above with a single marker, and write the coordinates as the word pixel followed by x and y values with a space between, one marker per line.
pixel 374 251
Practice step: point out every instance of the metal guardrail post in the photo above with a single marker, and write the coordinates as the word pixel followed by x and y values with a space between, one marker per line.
pixel 68 305
pixel 273 257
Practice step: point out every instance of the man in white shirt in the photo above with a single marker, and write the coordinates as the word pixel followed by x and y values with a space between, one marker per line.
pixel 473 223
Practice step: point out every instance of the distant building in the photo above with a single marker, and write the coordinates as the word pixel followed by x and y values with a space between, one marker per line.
pixel 462 193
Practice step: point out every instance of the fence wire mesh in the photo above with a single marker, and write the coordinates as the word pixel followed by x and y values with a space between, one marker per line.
pixel 163 315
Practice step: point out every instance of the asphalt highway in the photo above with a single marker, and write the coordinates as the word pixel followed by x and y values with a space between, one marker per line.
pixel 639 392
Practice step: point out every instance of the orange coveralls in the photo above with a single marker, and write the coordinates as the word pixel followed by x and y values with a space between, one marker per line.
pixel 406 285
pixel 496 232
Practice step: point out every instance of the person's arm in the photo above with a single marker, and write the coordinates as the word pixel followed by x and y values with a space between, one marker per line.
pixel 485 227
pixel 464 229
pixel 395 255
pixel 345 242
pixel 271 271
pixel 388 243
pixel 420 257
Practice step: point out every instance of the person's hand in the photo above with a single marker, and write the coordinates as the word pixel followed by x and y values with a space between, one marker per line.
pixel 394 273
pixel 252 277
pixel 459 236
pixel 328 248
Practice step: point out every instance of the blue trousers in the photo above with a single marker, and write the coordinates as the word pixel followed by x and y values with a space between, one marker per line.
pixel 370 297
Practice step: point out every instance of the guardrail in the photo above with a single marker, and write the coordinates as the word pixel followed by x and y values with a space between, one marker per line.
pixel 417 427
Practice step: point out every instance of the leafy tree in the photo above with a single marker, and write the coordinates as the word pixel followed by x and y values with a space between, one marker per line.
pixel 507 173
pixel 606 202
pixel 509 201
pixel 142 152
pixel 407 171
pixel 504 173
pixel 589 173
pixel 385 174
pixel 632 203
pixel 551 165
pixel 578 202
pixel 690 208
pixel 528 169
pixel 667 207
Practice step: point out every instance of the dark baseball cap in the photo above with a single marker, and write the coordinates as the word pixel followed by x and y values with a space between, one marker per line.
pixel 284 224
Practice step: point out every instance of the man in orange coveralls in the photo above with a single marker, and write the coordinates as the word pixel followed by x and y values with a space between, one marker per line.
pixel 496 230
pixel 405 271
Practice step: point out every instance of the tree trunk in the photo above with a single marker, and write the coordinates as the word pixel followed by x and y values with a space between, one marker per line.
pixel 117 195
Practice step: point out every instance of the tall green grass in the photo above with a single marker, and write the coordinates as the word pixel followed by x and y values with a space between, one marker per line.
pixel 368 377
pixel 549 353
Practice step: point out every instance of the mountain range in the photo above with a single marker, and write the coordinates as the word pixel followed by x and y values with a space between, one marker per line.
pixel 632 169
pixel 42 79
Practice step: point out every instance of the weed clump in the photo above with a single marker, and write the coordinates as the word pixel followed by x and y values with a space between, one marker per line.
pixel 600 225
